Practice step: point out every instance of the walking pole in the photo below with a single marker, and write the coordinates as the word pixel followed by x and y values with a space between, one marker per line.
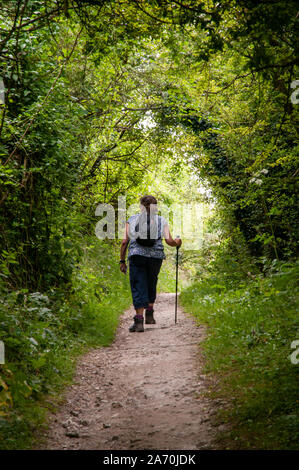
pixel 176 280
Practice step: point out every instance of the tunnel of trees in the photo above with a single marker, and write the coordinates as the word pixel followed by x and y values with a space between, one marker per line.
pixel 107 98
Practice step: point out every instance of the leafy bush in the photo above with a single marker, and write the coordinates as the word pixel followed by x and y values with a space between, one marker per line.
pixel 43 332
pixel 252 322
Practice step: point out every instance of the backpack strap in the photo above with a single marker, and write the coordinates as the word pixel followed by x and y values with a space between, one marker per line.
pixel 159 226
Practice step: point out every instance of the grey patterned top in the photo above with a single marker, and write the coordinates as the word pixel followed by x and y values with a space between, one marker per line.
pixel 155 251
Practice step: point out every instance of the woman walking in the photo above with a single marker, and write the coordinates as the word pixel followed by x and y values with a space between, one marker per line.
pixel 143 234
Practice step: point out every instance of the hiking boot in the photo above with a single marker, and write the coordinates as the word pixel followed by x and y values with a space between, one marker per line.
pixel 149 317
pixel 137 325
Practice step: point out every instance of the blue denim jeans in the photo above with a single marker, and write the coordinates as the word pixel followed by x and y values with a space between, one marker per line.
pixel 143 279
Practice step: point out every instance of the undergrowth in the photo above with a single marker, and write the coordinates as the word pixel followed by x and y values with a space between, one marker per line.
pixel 44 332
pixel 252 321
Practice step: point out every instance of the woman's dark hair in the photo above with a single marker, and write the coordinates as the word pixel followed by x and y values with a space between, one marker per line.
pixel 146 201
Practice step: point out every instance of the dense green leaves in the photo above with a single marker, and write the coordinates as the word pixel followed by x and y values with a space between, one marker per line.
pixel 106 98
pixel 252 323
pixel 96 97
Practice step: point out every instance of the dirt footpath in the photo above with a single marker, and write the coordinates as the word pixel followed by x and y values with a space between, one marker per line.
pixel 142 392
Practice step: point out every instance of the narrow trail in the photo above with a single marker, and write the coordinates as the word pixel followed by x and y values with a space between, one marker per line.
pixel 142 392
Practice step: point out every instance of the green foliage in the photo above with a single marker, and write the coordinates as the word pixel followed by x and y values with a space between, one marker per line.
pixel 247 150
pixel 39 159
pixel 105 98
pixel 101 96
pixel 43 333
pixel 252 321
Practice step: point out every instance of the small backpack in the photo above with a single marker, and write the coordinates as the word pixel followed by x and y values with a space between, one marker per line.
pixel 146 223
